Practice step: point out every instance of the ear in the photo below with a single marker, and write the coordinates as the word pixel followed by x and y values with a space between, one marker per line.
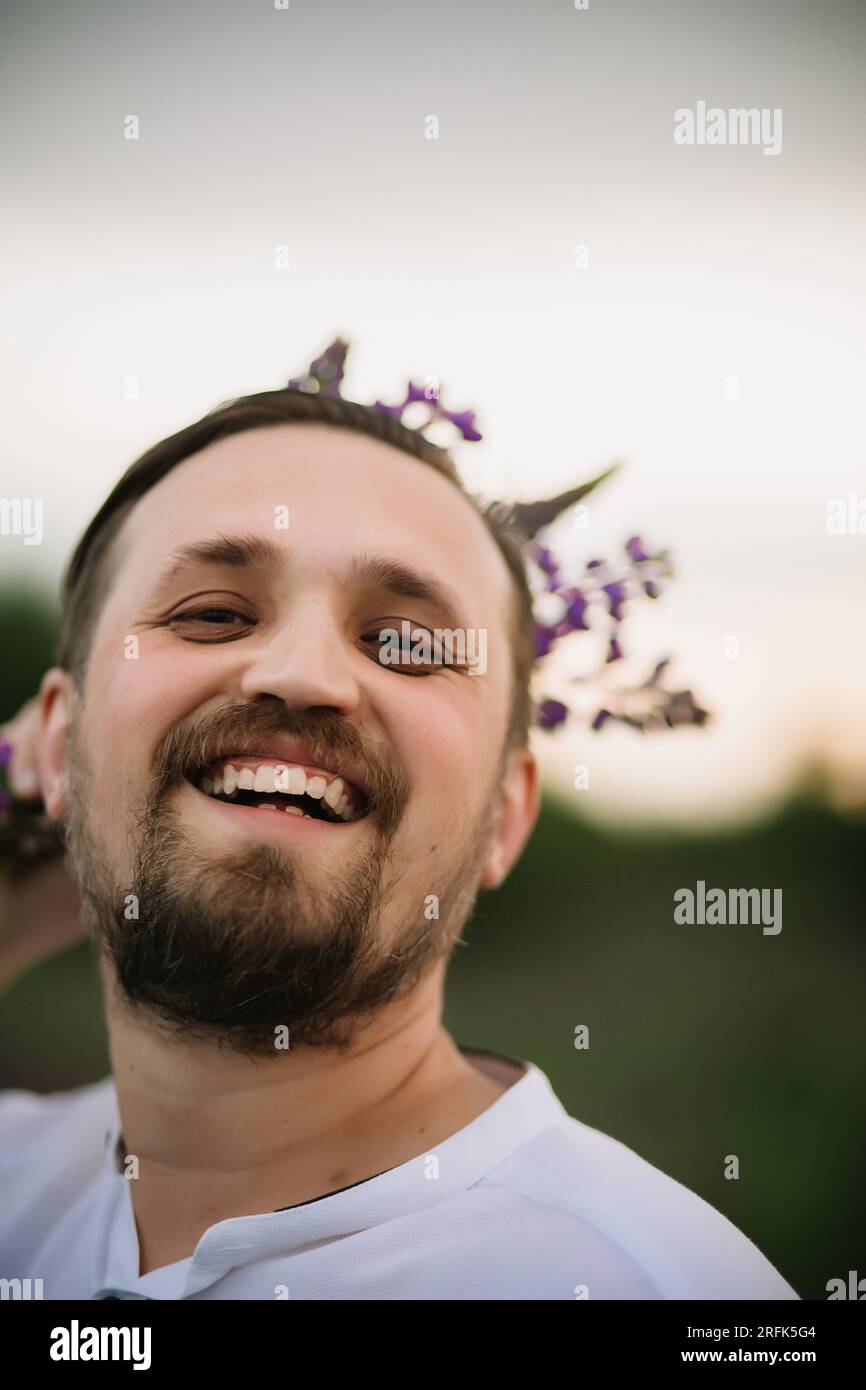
pixel 518 814
pixel 57 698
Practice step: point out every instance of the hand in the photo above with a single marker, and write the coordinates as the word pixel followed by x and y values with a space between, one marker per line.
pixel 22 734
pixel 40 907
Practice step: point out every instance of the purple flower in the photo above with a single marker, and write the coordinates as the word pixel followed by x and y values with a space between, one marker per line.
pixel 544 639
pixel 614 651
pixel 601 718
pixel 616 595
pixel 5 753
pixel 395 410
pixel 634 546
pixel 545 560
pixel 465 422
pixel 594 564
pixel 575 613
pixel 550 713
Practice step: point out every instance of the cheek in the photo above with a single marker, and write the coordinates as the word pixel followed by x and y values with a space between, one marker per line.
pixel 448 751
pixel 134 700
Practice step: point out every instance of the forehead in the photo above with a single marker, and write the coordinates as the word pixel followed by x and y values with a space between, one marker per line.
pixel 342 493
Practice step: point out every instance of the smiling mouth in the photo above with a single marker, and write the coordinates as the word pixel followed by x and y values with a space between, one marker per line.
pixel 288 788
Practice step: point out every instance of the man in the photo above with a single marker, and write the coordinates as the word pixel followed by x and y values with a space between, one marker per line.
pixel 287 1116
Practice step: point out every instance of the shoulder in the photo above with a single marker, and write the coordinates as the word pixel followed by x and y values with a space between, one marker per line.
pixel 607 1220
pixel 32 1124
pixel 51 1148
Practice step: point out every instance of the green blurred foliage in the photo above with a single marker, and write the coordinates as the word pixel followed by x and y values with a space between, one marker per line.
pixel 705 1041
pixel 28 633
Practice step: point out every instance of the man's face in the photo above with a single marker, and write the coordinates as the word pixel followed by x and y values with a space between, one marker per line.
pixel 223 916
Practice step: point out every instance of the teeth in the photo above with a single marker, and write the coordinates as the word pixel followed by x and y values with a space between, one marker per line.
pixel 333 792
pixel 266 778
pixel 289 780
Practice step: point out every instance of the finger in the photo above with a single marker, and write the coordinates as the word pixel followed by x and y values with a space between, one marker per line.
pixel 18 755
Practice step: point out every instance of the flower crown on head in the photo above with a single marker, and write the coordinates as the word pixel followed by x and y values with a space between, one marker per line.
pixel 325 374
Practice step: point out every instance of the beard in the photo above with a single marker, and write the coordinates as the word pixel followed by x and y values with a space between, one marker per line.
pixel 246 950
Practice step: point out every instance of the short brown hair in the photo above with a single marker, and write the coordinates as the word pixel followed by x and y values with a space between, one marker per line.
pixel 93 564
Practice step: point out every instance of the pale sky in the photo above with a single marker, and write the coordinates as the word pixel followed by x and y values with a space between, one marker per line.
pixel 455 257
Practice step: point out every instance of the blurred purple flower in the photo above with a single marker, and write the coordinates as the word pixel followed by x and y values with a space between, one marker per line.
pixel 545 560
pixel 634 546
pixel 5 753
pixel 551 713
pixel 464 421
pixel 616 595
pixel 575 612
pixel 647 706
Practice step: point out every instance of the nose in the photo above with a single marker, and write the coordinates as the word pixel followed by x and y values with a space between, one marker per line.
pixel 308 662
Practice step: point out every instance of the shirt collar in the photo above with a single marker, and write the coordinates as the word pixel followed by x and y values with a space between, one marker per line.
pixel 457 1163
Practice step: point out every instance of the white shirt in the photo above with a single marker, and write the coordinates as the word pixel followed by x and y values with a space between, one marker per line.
pixel 525 1202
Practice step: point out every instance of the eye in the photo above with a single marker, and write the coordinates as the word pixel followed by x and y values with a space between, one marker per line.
pixel 409 649
pixel 214 624
pixel 393 656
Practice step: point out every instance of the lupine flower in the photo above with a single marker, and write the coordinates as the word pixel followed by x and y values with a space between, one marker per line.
pixel 464 421
pixel 575 613
pixel 616 595
pixel 395 410
pixel 550 713
pixel 544 639
pixel 604 590
pixel 6 800
pixel 634 546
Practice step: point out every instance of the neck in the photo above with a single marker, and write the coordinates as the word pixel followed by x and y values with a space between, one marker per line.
pixel 219 1135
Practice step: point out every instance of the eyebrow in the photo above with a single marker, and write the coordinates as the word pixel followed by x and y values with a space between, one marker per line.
pixel 392 576
pixel 224 552
pixel 370 571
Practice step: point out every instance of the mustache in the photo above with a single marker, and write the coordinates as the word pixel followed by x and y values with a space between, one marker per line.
pixel 330 739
